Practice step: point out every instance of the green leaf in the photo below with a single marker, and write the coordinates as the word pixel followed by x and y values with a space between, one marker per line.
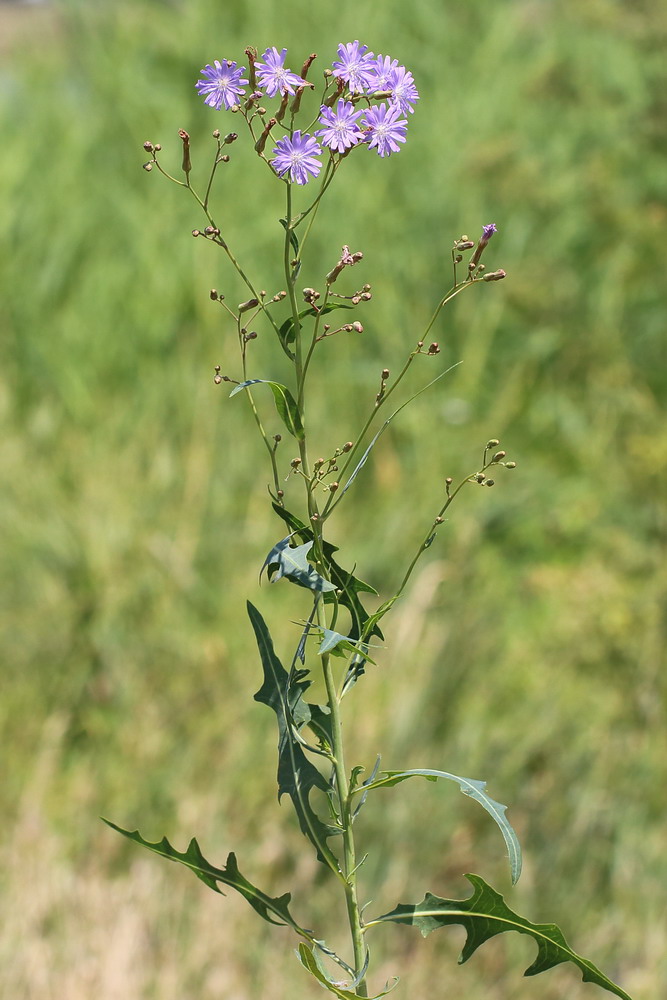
pixel 348 585
pixel 341 990
pixel 273 909
pixel 485 914
pixel 288 411
pixel 469 786
pixel 287 333
pixel 292 563
pixel 297 776
pixel 339 645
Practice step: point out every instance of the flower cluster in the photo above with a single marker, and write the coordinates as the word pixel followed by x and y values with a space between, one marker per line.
pixel 359 75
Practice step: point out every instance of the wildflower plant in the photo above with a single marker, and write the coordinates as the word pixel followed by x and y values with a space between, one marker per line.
pixel 362 105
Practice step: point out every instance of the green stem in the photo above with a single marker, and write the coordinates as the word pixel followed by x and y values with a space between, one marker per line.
pixel 345 812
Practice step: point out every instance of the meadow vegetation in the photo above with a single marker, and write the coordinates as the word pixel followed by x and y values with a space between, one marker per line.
pixel 530 649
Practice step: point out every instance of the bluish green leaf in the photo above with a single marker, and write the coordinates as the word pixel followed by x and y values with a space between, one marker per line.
pixel 292 563
pixel 297 776
pixel 471 787
pixel 339 989
pixel 485 914
pixel 273 909
pixel 339 645
pixel 286 405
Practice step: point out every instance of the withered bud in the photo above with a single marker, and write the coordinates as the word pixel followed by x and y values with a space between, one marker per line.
pixel 195 232
pixel 251 336
pixel 471 266
pixel 458 258
pixel 465 238
pixel 210 231
pixel 420 344
pixel 449 481
pixel 245 306
pixel 490 482
pixel 315 517
pixel 385 374
pixel 310 295
pixel 148 146
pixel 251 53
pixel 185 138
pixel 295 463
pixel 347 446
pixel 261 142
pixel 366 296
pixel 224 159
pixel 357 327
pixel 307 64
pixel 217 379
pixel 157 147
pixel 510 465
pixel 439 520
pixel 320 461
pixel 480 477
pixel 281 494
pixel 333 487
pixel 148 166
pixel 277 438
pixel 279 296
pixel 434 348
pixel 216 133
pixel 214 294
pixel 493 443
pixel 280 113
pixel 495 275
pixel 499 456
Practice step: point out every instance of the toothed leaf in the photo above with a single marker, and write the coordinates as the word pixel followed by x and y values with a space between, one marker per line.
pixel 485 914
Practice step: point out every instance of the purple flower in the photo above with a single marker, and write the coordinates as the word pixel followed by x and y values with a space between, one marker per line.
pixel 404 92
pixel 385 128
pixel 383 69
pixel 222 83
pixel 298 156
pixel 488 231
pixel 272 75
pixel 355 66
pixel 340 130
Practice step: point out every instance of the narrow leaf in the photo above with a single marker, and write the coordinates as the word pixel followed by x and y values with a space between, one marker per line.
pixel 339 989
pixel 471 787
pixel 292 563
pixel 273 909
pixel 286 405
pixel 297 776
pixel 485 914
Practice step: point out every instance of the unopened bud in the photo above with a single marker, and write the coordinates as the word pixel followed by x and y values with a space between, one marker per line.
pixel 347 446
pixel 510 465
pixel 439 520
pixel 157 147
pixel 148 166
pixel 245 306
pixel 281 494
pixel 216 133
pixel 185 138
pixel 333 487
pixel 495 275
pixel 385 374
pixel 217 379
pixel 277 438
pixel 499 456
pixel 195 232
pixel 434 349
pixel 229 138
pixel 214 294
pixel 357 327
pixel 493 443
pixel 490 482
pixel 480 477
pixel 148 146
pixel 295 463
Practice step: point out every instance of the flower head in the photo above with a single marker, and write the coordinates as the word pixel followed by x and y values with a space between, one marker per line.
pixel 404 92
pixel 341 130
pixel 355 66
pixel 298 156
pixel 273 77
pixel 385 128
pixel 222 84
pixel 488 231
pixel 383 69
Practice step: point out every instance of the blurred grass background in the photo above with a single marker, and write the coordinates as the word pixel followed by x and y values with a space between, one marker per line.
pixel 529 651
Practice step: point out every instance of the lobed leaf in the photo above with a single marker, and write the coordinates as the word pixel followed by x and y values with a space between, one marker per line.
pixel 273 909
pixel 469 786
pixel 297 776
pixel 292 563
pixel 485 914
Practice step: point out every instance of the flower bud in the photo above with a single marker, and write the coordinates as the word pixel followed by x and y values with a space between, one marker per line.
pixel 148 146
pixel 347 446
pixel 245 306
pixel 185 138
pixel 510 465
pixel 214 294
pixel 490 482
pixel 493 443
pixel 148 166
pixel 499 456
pixel 216 133
pixel 495 275
pixel 385 374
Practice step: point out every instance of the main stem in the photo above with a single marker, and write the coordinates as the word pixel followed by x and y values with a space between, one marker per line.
pixel 348 872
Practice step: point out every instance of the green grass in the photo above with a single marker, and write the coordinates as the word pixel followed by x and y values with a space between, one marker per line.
pixel 529 651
